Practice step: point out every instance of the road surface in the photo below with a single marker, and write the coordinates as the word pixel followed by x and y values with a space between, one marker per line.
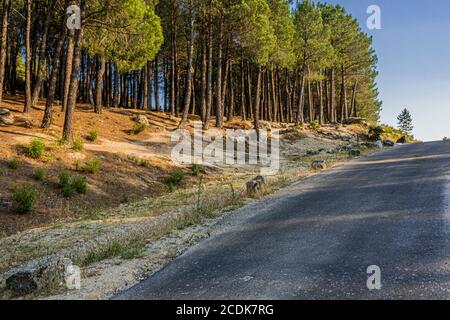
pixel 316 239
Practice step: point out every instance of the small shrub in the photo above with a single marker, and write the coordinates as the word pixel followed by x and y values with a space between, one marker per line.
pixel 79 184
pixel 92 166
pixel 446 139
pixel 93 136
pixel 176 177
pixel 24 198
pixel 68 190
pixel 196 169
pixel 138 128
pixel 315 125
pixel 64 178
pixel 39 174
pixel 77 145
pixel 36 149
pixel 375 133
pixel 61 142
pixel 14 164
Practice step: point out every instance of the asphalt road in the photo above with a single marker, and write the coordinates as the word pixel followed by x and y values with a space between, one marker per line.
pixel 316 239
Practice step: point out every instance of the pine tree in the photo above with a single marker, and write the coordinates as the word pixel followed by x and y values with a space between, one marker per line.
pixel 405 122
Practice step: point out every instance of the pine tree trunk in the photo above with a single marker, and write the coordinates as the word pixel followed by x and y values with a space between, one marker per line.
pixel 73 88
pixel 209 94
pixel 69 65
pixel 28 59
pixel 47 120
pixel 3 52
pixel 333 96
pixel 41 61
pixel 188 86
pixel 99 85
pixel 219 114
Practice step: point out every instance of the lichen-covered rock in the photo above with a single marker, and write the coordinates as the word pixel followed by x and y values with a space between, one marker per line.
pixel 319 165
pixel 141 119
pixel 37 275
pixel 256 186
pixel 6 118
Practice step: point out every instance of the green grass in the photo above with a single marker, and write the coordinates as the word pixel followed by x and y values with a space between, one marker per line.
pixel 40 174
pixel 77 145
pixel 92 136
pixel 24 198
pixel 138 128
pixel 124 251
pixel 36 149
pixel 14 164
pixel 196 169
pixel 92 166
pixel 71 185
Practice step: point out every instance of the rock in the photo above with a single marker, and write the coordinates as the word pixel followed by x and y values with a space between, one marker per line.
pixel 319 165
pixel 402 140
pixel 4 112
pixel 355 153
pixel 141 119
pixel 256 186
pixel 23 122
pixel 354 121
pixel 6 118
pixel 388 143
pixel 379 144
pixel 39 274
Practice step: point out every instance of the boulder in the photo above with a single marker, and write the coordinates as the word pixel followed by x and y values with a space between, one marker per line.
pixel 39 274
pixel 141 119
pixel 23 122
pixel 319 165
pixel 379 144
pixel 256 186
pixel 4 112
pixel 402 140
pixel 388 143
pixel 6 118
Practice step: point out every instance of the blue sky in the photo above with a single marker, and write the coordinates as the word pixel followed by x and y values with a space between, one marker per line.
pixel 413 47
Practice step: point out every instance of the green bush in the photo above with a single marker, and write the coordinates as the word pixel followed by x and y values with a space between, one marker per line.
pixel 39 174
pixel 36 149
pixel 196 169
pixel 446 139
pixel 14 164
pixel 138 128
pixel 79 184
pixel 69 185
pixel 93 136
pixel 92 166
pixel 64 178
pixel 375 133
pixel 315 125
pixel 175 178
pixel 24 198
pixel 77 144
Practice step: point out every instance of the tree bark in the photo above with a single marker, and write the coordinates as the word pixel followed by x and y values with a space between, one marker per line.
pixel 47 120
pixel 73 88
pixel 42 51
pixel 3 53
pixel 99 85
